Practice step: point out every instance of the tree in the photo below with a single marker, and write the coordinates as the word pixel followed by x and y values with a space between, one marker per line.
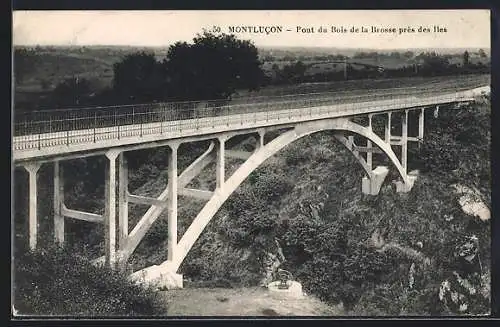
pixel 433 64
pixel 24 62
pixel 214 66
pixel 139 78
pixel 71 92
pixel 294 73
pixel 408 54
pixel 482 54
pixel 466 58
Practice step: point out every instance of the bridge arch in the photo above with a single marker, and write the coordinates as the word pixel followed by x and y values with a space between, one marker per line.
pixel 256 159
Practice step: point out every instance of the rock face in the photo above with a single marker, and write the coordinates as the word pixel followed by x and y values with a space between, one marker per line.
pixel 471 203
pixel 272 262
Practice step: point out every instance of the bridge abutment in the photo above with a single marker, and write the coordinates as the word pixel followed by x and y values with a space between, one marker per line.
pixel 371 185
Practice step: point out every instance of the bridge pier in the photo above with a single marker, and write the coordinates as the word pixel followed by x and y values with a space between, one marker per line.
pixel 220 169
pixel 32 169
pixel 404 141
pixel 110 209
pixel 406 186
pixel 369 154
pixel 172 203
pixel 421 126
pixel 260 141
pixel 122 200
pixel 388 129
pixel 58 203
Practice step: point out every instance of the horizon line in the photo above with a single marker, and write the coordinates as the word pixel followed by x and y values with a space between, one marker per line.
pixel 257 46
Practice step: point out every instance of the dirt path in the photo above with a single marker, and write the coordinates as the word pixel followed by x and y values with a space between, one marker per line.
pixel 242 302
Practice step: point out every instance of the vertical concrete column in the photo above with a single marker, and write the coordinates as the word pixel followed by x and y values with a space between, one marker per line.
pixel 350 138
pixel 172 203
pixel 388 129
pixel 436 112
pixel 404 140
pixel 58 202
pixel 421 127
pixel 260 141
pixel 110 212
pixel 220 178
pixel 421 124
pixel 369 154
pixel 122 200
pixel 32 169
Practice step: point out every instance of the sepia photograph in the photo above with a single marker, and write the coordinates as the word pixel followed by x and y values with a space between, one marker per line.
pixel 250 163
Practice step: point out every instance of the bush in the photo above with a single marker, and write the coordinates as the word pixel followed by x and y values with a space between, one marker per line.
pixel 56 282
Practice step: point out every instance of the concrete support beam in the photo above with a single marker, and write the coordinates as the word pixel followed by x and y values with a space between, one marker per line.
pixel 80 215
pixel 388 128
pixel 197 194
pixel 220 169
pixel 371 149
pixel 32 169
pixel 110 211
pixel 172 203
pixel 421 125
pixel 436 112
pixel 260 141
pixel 404 141
pixel 58 203
pixel 141 228
pixel 122 200
pixel 243 155
pixel 369 154
pixel 139 199
pixel 398 140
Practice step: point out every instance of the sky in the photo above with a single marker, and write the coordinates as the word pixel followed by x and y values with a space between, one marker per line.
pixel 464 28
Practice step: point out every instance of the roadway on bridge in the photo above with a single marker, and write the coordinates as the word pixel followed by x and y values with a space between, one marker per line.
pixel 240 116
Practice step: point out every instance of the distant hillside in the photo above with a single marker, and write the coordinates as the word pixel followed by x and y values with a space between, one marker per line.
pixel 351 51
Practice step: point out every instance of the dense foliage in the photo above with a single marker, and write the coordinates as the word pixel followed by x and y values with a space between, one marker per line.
pixel 56 282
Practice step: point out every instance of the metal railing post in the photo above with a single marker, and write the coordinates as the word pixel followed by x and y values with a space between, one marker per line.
pixel 95 123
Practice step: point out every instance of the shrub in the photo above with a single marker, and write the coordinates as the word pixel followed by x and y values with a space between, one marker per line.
pixel 56 282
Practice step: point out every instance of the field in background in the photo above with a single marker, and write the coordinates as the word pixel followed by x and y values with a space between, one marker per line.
pixel 95 63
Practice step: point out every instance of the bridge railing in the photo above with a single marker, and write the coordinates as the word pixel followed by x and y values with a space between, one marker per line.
pixel 179 117
pixel 50 121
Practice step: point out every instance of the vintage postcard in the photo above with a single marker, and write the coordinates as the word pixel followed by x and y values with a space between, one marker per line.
pixel 331 163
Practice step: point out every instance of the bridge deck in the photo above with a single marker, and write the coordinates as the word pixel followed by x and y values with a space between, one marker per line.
pixel 26 147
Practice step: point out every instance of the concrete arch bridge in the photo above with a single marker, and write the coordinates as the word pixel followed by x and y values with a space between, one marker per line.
pixel 115 132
